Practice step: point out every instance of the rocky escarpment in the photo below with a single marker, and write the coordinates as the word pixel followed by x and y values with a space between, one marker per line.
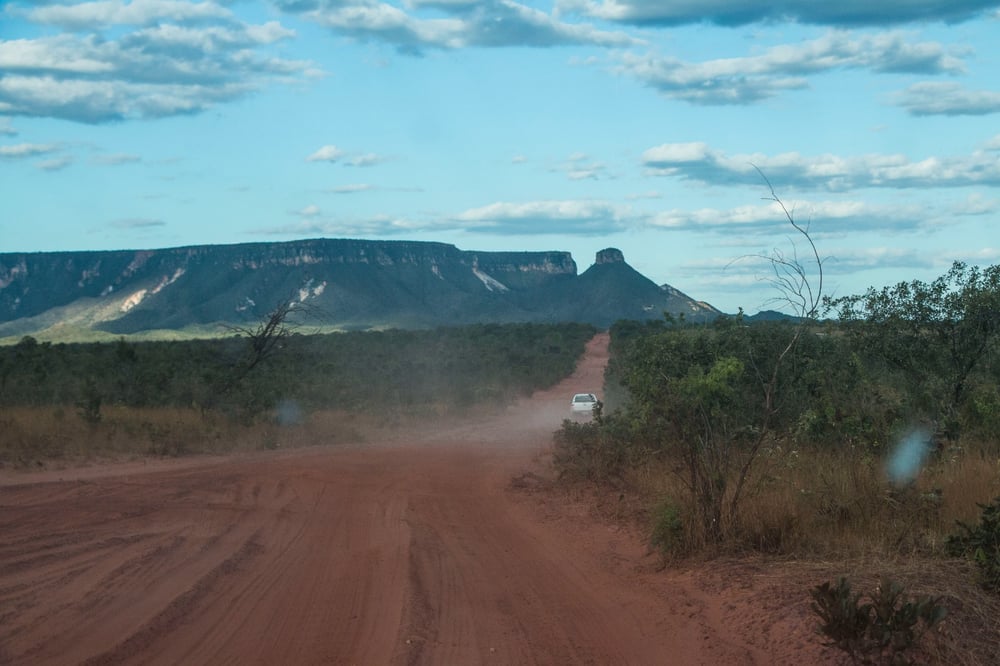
pixel 347 283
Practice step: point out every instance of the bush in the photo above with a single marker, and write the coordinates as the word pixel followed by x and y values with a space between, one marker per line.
pixel 667 533
pixel 583 451
pixel 982 543
pixel 879 631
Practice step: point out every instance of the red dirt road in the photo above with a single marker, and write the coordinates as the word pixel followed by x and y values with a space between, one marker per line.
pixel 408 551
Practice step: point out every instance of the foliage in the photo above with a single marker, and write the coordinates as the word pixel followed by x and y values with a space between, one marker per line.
pixel 937 335
pixel 667 528
pixel 718 405
pixel 381 371
pixel 89 404
pixel 590 450
pixel 884 629
pixel 982 543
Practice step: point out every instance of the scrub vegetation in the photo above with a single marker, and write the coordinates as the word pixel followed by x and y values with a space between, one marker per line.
pixel 874 440
pixel 885 423
pixel 262 387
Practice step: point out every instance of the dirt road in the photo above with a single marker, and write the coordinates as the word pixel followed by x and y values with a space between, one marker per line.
pixel 413 551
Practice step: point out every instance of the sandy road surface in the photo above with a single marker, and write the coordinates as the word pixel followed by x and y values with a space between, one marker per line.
pixel 413 551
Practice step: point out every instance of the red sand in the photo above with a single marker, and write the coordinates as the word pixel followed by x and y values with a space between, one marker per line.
pixel 415 550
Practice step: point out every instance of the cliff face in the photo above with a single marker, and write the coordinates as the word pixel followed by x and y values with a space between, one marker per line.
pixel 348 283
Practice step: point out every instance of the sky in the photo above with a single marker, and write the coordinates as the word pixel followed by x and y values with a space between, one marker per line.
pixel 663 128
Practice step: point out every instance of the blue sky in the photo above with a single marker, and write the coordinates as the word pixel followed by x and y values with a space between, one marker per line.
pixel 569 125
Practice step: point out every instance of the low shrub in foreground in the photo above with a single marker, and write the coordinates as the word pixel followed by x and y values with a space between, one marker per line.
pixel 883 628
pixel 982 543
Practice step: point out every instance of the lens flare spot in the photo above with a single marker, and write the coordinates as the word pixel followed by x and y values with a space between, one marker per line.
pixel 909 456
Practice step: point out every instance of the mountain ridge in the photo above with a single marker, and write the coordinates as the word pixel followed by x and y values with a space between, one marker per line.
pixel 348 284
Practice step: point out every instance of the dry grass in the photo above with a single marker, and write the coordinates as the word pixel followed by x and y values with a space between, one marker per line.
pixel 39 437
pixel 815 503
pixel 815 516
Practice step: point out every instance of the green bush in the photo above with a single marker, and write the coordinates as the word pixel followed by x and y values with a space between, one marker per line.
pixel 883 629
pixel 982 543
pixel 667 533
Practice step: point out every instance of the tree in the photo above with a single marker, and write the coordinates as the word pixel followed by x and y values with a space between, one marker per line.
pixel 264 339
pixel 936 334
pixel 710 397
pixel 792 281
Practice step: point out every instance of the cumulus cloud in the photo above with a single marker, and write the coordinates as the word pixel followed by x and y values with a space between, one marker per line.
pixel 112 70
pixel 749 79
pixel 333 154
pixel 820 217
pixel 742 12
pixel 699 162
pixel 328 153
pixel 548 217
pixel 6 129
pixel 105 13
pixel 490 23
pixel 948 99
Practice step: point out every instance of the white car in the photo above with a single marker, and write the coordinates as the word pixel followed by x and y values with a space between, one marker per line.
pixel 583 404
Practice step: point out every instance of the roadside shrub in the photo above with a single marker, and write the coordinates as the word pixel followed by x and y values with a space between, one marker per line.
pixel 982 543
pixel 583 451
pixel 883 629
pixel 667 529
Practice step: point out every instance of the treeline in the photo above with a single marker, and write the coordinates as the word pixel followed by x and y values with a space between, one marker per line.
pixel 357 371
pixel 721 405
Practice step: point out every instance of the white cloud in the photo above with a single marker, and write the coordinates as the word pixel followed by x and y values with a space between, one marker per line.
pixel 366 160
pixel 22 150
pixel 948 99
pixel 580 166
pixel 312 210
pixel 749 79
pixel 489 23
pixel 977 204
pixel 699 162
pixel 548 217
pixel 55 163
pixel 104 13
pixel 328 153
pixel 819 217
pixel 162 70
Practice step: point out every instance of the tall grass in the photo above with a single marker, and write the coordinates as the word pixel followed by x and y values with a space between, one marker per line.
pixel 837 503
pixel 42 436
